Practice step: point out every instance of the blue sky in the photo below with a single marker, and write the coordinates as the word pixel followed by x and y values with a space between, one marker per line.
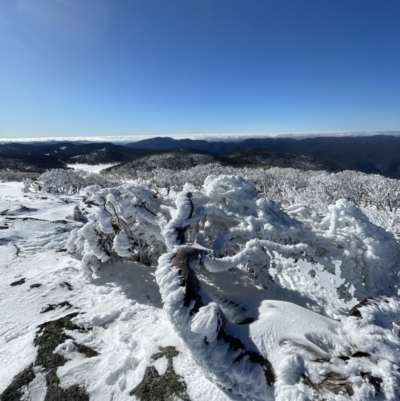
pixel 157 67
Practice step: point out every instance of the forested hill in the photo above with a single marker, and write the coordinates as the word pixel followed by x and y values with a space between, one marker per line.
pixel 378 154
pixel 42 156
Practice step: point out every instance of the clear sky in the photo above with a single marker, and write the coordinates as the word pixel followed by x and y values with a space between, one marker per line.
pixel 156 67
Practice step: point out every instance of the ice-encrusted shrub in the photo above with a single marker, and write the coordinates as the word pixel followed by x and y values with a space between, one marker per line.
pixel 67 182
pixel 123 227
pixel 377 196
pixel 242 229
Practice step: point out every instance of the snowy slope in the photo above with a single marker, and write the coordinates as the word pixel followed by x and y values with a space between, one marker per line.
pixel 122 307
pixel 119 330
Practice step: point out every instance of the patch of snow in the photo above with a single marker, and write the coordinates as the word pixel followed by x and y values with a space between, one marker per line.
pixel 161 365
pixel 36 389
pixel 97 168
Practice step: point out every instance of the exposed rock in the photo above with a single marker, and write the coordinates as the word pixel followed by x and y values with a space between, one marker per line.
pixel 18 282
pixel 66 285
pixel 51 307
pixel 49 336
pixel 77 214
pixel 167 387
pixel 14 391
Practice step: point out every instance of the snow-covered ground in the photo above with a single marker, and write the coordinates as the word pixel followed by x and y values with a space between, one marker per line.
pixel 131 331
pixel 122 307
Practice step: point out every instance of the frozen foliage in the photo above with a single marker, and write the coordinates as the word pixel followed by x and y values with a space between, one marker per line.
pixel 242 229
pixel 7 176
pixel 272 349
pixel 377 196
pixel 123 227
pixel 66 182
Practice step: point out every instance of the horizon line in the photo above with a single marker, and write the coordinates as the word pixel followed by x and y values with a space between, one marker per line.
pixel 214 136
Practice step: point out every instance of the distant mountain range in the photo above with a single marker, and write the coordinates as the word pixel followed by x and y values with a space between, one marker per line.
pixel 378 154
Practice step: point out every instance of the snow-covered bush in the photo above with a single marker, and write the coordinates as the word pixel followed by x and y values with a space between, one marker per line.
pixel 241 229
pixel 270 349
pixel 67 182
pixel 377 196
pixel 18 176
pixel 123 227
